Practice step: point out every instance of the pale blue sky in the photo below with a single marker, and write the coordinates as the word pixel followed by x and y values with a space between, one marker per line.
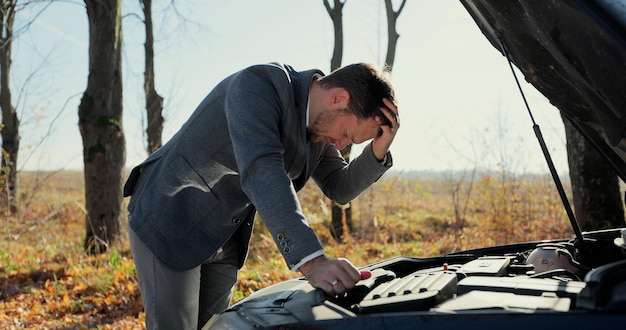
pixel 459 104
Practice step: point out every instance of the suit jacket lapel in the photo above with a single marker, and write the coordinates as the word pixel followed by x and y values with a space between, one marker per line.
pixel 299 170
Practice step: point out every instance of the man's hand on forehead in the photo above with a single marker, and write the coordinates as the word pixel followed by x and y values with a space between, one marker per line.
pixel 387 129
pixel 390 112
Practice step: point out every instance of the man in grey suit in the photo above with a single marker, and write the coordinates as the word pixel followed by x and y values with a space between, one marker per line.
pixel 250 145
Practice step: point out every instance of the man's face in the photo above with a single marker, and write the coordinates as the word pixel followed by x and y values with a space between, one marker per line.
pixel 342 128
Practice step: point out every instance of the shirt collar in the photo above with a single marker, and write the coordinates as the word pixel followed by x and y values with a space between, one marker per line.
pixel 316 76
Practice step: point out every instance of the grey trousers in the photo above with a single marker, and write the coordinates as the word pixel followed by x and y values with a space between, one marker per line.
pixel 184 299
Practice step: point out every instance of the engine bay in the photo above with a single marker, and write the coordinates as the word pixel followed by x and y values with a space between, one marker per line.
pixel 559 277
pixel 549 277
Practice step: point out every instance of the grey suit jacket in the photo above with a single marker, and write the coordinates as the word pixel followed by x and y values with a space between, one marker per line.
pixel 244 149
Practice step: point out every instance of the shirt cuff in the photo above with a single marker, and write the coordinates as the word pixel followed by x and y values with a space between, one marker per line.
pixel 387 160
pixel 307 259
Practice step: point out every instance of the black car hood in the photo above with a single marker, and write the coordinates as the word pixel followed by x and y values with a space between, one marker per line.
pixel 574 53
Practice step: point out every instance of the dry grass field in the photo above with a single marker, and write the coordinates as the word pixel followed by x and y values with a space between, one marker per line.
pixel 48 282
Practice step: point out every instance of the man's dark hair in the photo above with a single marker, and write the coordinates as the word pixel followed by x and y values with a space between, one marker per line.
pixel 367 87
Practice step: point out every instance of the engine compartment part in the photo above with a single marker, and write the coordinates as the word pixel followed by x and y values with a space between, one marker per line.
pixel 504 301
pixel 482 284
pixel 414 292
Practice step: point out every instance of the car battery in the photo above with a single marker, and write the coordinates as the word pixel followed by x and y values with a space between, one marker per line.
pixel 418 292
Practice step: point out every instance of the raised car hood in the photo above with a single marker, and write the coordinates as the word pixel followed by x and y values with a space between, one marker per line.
pixel 574 53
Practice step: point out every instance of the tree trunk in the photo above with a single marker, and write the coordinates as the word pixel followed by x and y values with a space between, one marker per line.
pixel 100 124
pixel 392 34
pixel 154 102
pixel 341 215
pixel 10 122
pixel 336 16
pixel 595 185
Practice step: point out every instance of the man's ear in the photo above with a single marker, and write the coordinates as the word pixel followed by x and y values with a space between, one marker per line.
pixel 373 122
pixel 341 97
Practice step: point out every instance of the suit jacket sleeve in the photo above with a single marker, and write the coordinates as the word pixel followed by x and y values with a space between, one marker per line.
pixel 342 182
pixel 257 105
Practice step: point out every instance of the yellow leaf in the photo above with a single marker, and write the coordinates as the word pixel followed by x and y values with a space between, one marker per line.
pixel 79 287
pixel 119 276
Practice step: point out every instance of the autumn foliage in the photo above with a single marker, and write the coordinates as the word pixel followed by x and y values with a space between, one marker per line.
pixel 48 282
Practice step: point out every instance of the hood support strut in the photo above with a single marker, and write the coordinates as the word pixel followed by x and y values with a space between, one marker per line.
pixel 546 154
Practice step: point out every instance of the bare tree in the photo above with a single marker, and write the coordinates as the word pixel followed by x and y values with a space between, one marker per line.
pixel 341 218
pixel 10 121
pixel 154 102
pixel 10 98
pixel 595 186
pixel 341 215
pixel 336 15
pixel 392 34
pixel 100 124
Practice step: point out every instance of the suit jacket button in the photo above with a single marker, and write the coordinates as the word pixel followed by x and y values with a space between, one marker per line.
pixel 236 220
pixel 280 237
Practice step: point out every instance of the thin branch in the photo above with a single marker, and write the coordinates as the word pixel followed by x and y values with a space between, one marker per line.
pixel 50 128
